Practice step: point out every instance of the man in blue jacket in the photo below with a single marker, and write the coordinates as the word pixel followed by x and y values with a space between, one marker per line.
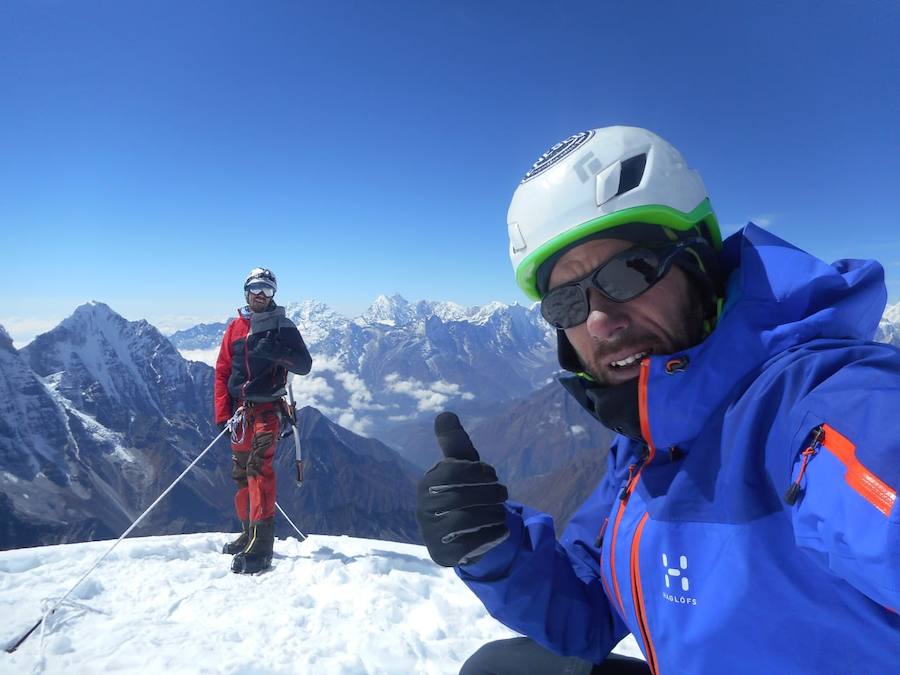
pixel 747 521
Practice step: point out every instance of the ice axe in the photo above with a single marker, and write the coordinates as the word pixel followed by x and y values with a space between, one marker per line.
pixel 294 424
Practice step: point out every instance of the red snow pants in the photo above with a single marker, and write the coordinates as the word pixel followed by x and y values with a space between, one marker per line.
pixel 252 459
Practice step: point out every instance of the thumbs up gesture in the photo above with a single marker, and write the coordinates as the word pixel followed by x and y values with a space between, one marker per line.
pixel 459 501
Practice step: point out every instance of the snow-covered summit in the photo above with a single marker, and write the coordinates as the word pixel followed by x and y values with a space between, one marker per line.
pixel 396 311
pixel 448 311
pixel 889 326
pixel 169 604
pixel 388 311
pixel 315 319
pixel 105 358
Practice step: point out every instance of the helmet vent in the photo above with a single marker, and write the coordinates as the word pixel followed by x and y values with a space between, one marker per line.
pixel 632 173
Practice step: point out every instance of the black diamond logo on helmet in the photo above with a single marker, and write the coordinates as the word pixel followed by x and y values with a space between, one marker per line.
pixel 557 153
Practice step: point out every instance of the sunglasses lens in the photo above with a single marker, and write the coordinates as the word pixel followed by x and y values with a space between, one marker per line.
pixel 628 274
pixel 564 307
pixel 622 278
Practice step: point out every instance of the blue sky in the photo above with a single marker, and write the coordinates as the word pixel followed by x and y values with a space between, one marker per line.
pixel 154 152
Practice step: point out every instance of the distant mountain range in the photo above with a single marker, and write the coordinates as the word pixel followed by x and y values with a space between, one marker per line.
pixel 889 327
pixel 402 361
pixel 100 414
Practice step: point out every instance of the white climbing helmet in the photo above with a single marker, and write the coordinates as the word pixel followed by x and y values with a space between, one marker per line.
pixel 260 275
pixel 597 180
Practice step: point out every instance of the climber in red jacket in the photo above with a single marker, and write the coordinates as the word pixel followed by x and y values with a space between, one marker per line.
pixel 258 350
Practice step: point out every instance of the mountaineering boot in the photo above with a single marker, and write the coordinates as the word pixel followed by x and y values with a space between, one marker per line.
pixel 258 554
pixel 241 542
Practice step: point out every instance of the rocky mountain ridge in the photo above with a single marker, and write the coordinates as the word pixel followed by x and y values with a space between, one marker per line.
pixel 100 414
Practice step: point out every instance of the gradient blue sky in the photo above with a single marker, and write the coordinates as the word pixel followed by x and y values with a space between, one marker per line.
pixel 153 152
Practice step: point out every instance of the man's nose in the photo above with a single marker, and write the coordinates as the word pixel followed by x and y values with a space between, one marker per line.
pixel 606 317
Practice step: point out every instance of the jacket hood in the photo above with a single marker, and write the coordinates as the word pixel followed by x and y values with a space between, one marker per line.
pixel 777 297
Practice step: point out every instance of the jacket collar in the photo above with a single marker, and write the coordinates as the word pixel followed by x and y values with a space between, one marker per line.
pixel 777 297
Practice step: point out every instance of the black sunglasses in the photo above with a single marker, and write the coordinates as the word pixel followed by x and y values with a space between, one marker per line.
pixel 623 277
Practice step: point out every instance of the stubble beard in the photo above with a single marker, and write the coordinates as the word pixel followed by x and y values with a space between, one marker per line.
pixel 687 334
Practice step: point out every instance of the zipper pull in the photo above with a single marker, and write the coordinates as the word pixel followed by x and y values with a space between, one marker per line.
pixel 623 495
pixel 598 542
pixel 793 492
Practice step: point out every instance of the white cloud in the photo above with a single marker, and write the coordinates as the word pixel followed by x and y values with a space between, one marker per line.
pixel 311 390
pixel 445 388
pixel 577 430
pixel 207 356
pixel 23 329
pixel 360 396
pixel 428 397
pixel 325 362
pixel 358 425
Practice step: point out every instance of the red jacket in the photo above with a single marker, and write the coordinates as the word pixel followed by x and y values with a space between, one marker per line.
pixel 245 372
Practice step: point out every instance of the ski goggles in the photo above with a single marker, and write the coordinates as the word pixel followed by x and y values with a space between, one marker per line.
pixel 265 289
pixel 623 277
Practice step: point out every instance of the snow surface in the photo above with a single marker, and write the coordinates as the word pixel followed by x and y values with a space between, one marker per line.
pixel 170 604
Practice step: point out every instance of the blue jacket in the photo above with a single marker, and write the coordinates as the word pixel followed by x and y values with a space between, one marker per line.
pixel 689 542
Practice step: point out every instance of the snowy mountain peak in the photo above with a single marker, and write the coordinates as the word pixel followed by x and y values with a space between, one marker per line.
pixel 111 366
pixel 316 320
pixel 390 311
pixel 889 326
pixel 94 308
pixel 92 316
pixel 892 314
pixel 449 311
pixel 485 313
pixel 313 310
pixel 6 343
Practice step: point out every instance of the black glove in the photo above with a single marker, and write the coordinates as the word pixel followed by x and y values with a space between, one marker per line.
pixel 459 502
pixel 268 348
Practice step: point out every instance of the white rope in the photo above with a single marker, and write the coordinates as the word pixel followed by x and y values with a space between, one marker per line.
pixel 59 602
pixel 302 536
pixel 52 623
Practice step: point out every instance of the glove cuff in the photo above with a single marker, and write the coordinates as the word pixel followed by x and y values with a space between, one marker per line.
pixel 497 555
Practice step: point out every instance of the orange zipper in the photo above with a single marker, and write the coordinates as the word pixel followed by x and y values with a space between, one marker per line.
pixel 630 485
pixel 637 596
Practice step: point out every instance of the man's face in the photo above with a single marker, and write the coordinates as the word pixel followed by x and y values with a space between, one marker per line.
pixel 257 301
pixel 617 335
